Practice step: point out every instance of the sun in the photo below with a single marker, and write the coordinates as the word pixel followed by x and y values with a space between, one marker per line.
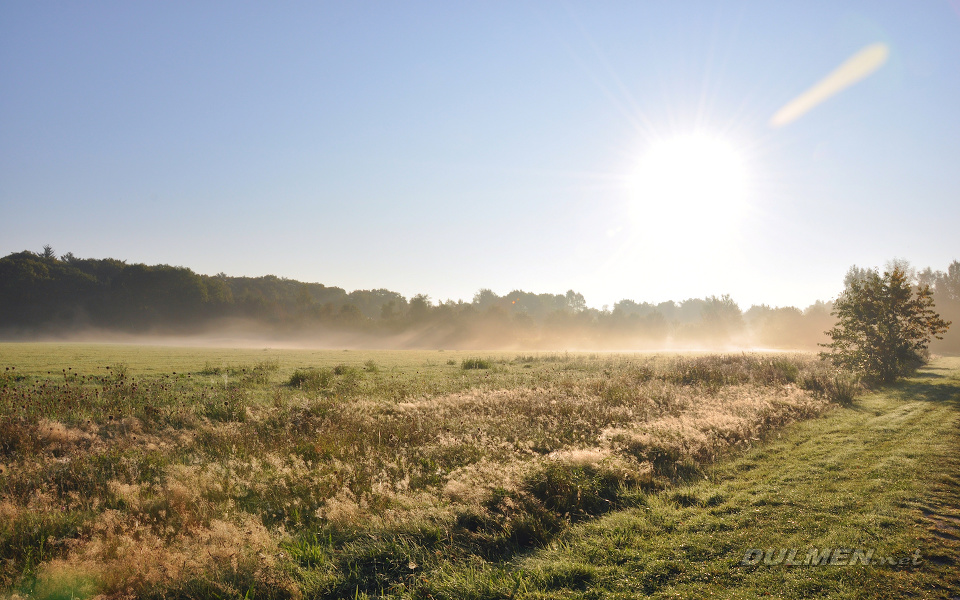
pixel 690 188
pixel 691 174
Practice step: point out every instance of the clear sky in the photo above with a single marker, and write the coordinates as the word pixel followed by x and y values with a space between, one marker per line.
pixel 444 147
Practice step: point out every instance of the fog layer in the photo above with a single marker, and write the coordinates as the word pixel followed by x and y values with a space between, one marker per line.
pixel 43 297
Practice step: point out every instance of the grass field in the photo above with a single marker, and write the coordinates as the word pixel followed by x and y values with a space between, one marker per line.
pixel 166 472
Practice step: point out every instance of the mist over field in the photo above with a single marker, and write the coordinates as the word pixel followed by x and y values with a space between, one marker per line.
pixel 251 334
pixel 45 297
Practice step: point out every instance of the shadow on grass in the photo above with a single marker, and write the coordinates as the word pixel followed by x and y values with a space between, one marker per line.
pixel 918 388
pixel 929 375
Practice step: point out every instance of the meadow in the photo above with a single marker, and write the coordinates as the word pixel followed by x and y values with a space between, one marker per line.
pixel 147 471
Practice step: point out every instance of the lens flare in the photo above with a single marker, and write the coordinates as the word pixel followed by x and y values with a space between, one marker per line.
pixel 856 68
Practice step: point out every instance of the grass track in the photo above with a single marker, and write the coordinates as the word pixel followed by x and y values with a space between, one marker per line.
pixel 883 475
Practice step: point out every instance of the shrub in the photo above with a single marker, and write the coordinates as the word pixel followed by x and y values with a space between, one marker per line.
pixel 474 363
pixel 260 373
pixel 844 388
pixel 837 386
pixel 343 370
pixel 574 491
pixel 311 379
pixel 785 371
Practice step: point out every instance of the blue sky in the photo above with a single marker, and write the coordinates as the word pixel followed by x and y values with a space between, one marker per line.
pixel 441 148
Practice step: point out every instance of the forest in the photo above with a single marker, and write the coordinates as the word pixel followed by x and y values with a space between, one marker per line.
pixel 43 295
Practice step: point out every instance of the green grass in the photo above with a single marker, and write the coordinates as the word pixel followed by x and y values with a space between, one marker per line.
pixel 38 358
pixel 194 472
pixel 880 476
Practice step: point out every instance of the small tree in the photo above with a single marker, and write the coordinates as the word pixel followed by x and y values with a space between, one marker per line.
pixel 884 324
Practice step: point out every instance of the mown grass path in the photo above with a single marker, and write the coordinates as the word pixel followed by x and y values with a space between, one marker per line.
pixel 881 478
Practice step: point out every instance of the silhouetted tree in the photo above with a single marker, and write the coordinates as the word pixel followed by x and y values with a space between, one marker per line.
pixel 948 284
pixel 485 298
pixel 946 293
pixel 350 314
pixel 575 301
pixel 420 307
pixel 720 317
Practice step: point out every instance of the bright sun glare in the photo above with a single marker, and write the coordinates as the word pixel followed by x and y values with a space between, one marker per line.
pixel 689 189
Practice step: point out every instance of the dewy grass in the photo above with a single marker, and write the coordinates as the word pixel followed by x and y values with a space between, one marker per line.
pixel 860 504
pixel 330 474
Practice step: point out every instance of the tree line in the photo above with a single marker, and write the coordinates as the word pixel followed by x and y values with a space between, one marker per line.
pixel 42 293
